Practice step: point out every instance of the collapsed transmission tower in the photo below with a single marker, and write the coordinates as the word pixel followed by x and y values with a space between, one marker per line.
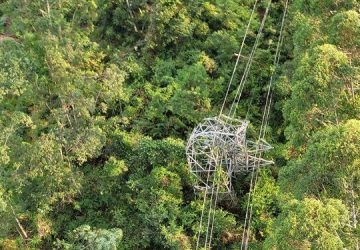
pixel 219 144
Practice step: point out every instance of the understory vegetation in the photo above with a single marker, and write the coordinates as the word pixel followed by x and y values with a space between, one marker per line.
pixel 98 98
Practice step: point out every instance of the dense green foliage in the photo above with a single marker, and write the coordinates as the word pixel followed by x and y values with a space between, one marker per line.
pixel 97 98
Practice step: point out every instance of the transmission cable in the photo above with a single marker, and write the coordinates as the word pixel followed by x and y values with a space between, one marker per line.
pixel 248 65
pixel 232 112
pixel 238 57
pixel 265 119
pixel 227 92
pixel 212 203
pixel 235 102
pixel 204 200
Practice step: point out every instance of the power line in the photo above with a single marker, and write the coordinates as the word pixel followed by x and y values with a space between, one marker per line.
pixel 214 133
pixel 236 101
pixel 238 57
pixel 264 123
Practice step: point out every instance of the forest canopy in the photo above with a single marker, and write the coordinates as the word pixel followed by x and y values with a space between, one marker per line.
pixel 98 99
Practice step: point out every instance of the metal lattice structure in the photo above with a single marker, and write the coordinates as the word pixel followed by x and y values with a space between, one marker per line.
pixel 218 146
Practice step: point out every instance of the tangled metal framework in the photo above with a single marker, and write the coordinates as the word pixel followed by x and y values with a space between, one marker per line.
pixel 218 148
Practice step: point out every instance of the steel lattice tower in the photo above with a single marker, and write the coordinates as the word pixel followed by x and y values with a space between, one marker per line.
pixel 218 146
